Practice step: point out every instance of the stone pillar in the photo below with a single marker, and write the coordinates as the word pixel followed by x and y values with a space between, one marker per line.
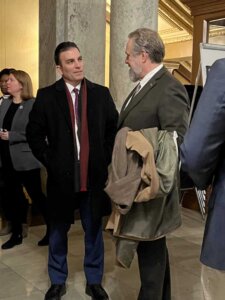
pixel 82 22
pixel 47 41
pixel 126 16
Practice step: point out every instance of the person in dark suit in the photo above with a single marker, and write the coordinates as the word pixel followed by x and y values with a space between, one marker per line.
pixel 71 131
pixel 202 156
pixel 20 167
pixel 4 75
pixel 158 100
pixel 6 225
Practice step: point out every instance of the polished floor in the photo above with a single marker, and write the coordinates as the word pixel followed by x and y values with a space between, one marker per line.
pixel 23 269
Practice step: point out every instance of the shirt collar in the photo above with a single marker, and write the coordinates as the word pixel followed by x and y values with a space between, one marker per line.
pixel 5 97
pixel 149 75
pixel 71 87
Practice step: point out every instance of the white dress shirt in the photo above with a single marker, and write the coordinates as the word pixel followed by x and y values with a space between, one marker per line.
pixel 72 93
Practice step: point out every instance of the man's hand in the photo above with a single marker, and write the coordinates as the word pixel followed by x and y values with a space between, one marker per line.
pixel 4 134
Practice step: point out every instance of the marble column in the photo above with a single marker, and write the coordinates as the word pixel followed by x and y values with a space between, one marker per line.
pixel 47 42
pixel 126 16
pixel 83 22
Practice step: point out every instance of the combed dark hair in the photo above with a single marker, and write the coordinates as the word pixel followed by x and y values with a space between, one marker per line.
pixel 25 80
pixel 149 41
pixel 64 46
pixel 6 71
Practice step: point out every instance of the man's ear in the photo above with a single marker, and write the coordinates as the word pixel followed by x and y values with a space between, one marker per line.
pixel 58 68
pixel 144 56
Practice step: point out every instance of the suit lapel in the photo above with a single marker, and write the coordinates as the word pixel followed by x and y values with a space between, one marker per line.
pixel 4 107
pixel 138 98
pixel 91 105
pixel 19 113
pixel 133 103
pixel 62 100
pixel 127 99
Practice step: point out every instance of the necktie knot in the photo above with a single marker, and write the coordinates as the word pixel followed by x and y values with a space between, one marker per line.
pixel 138 87
pixel 76 92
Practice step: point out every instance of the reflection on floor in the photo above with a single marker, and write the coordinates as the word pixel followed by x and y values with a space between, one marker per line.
pixel 23 269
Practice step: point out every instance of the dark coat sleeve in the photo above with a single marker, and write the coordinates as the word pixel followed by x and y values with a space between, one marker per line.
pixel 111 127
pixel 204 141
pixel 36 130
pixel 163 103
pixel 174 109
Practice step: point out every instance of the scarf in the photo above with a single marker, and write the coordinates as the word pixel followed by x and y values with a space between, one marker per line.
pixel 84 136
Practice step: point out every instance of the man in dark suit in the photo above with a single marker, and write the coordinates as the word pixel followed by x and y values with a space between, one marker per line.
pixel 4 75
pixel 158 100
pixel 71 131
pixel 202 156
pixel 6 225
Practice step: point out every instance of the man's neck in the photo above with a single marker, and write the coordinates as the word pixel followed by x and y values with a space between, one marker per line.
pixel 149 67
pixel 74 84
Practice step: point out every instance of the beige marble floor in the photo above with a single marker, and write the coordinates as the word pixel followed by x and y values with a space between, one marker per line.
pixel 23 269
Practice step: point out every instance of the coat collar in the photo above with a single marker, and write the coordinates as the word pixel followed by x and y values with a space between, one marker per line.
pixel 149 85
pixel 60 84
pixel 61 98
pixel 5 106
pixel 62 101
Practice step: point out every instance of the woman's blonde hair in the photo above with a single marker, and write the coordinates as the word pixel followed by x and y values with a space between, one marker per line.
pixel 25 80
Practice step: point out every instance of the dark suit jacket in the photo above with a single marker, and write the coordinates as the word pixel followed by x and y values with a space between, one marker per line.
pixel 50 118
pixel 162 103
pixel 20 152
pixel 203 157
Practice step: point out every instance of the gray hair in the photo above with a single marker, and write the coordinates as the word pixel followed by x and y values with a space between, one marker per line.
pixel 149 41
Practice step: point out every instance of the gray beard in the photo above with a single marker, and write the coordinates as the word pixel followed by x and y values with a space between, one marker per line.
pixel 134 77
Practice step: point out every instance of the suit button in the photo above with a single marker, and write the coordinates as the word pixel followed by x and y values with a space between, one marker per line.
pixel 68 173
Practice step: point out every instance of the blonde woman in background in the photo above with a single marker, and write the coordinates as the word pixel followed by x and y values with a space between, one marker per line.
pixel 20 167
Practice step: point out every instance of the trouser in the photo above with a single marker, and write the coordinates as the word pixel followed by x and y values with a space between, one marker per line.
pixel 1 193
pixel 94 248
pixel 15 204
pixel 213 282
pixel 31 180
pixel 154 270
